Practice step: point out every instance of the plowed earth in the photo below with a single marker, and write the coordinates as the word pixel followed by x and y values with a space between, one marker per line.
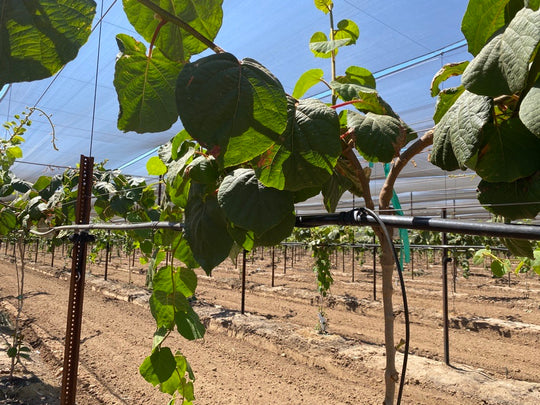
pixel 272 354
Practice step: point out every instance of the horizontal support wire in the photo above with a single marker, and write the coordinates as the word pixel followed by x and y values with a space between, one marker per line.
pixel 356 217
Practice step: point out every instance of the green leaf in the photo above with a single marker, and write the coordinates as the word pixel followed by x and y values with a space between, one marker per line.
pixel 528 112
pixel 512 8
pixel 42 182
pixel 332 191
pixel 155 166
pixel 206 228
pixel 175 43
pixel 343 179
pixel 354 91
pixel 378 137
pixel 185 255
pixel 519 199
pixel 40 36
pixel 189 325
pixel 244 239
pixel 322 47
pixel 447 71
pixel 347 29
pixel 508 152
pixel 481 20
pixel 12 352
pixel 307 151
pixel 246 106
pixel 14 152
pixel 145 88
pixel 533 4
pixel 249 204
pixel 307 81
pixel 278 233
pixel 358 75
pixel 169 296
pixel 177 382
pixel 519 247
pixel 502 66
pixel 458 135
pixel 159 366
pixel 203 169
pixel 479 256
pixel 445 100
pixel 498 268
pixel 159 337
pixel 324 5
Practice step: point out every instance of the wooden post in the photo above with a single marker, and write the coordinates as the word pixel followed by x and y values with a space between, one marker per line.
pixel 76 290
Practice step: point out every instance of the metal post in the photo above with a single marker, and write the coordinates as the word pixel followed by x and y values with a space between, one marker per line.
pixel 37 250
pixel 285 260
pixel 412 264
pixel 273 265
pixel 445 260
pixel 352 249
pixel 343 259
pixel 76 290
pixel 243 302
pixel 52 256
pixel 107 255
pixel 374 270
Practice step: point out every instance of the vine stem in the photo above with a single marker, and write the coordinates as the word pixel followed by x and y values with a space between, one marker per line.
pixel 357 100
pixel 401 161
pixel 333 55
pixel 154 37
pixel 165 15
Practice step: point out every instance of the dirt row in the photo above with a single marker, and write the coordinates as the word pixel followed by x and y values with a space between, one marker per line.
pixel 494 328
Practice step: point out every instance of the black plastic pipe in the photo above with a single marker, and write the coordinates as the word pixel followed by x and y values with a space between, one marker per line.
pixel 359 218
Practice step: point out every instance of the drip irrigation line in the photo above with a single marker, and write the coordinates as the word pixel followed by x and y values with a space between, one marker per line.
pixel 355 218
pixel 404 296
pixel 124 227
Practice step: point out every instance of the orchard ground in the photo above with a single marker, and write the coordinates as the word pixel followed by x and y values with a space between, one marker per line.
pixel 273 353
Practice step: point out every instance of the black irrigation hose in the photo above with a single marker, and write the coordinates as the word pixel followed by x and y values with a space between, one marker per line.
pixel 363 211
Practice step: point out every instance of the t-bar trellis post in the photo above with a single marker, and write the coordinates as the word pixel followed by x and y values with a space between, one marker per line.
pixel 76 290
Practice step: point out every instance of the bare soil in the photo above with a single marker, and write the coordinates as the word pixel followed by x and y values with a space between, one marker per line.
pixel 272 353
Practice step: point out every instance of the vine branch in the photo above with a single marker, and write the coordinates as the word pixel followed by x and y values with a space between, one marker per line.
pixel 401 161
pixel 165 15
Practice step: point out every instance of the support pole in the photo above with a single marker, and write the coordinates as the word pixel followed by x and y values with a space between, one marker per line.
pixel 374 270
pixel 445 260
pixel 352 250
pixel 273 265
pixel 243 302
pixel 76 290
pixel 285 260
pixel 107 255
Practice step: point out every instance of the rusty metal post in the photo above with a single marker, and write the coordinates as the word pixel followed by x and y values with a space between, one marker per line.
pixel 76 290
